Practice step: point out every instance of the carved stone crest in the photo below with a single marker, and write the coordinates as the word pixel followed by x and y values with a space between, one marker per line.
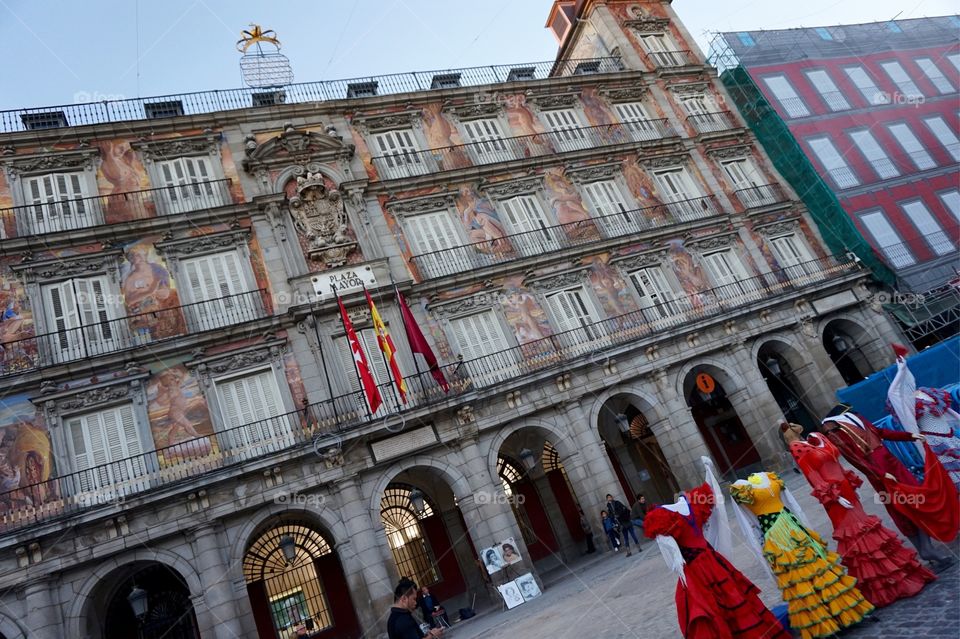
pixel 318 215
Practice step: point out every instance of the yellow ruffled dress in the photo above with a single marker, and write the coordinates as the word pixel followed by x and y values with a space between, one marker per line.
pixel 821 598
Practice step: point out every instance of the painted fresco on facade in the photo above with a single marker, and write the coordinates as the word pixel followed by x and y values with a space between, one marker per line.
pixel 121 171
pixel 292 373
pixel 26 457
pixel 18 351
pixel 482 222
pixel 179 416
pixel 523 123
pixel 610 288
pixel 567 205
pixel 523 313
pixel 688 272
pixel 149 293
pixel 440 134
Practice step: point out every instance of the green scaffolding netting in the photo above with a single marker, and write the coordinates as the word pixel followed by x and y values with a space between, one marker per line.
pixel 836 227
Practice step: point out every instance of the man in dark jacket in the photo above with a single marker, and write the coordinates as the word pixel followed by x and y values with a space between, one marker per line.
pixel 621 513
pixel 401 624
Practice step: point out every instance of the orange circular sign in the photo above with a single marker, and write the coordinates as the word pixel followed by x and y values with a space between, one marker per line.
pixel 705 383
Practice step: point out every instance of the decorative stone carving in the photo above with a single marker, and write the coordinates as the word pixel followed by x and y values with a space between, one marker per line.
pixel 511 188
pixel 728 152
pixel 641 260
pixel 426 204
pixel 76 400
pixel 628 93
pixel 465 415
pixel 652 353
pixel 408 119
pixel 461 305
pixel 549 101
pixel 688 88
pixel 152 150
pixel 712 242
pixel 557 281
pixel 189 246
pixel 582 175
pixel 781 227
pixel 564 381
pixel 663 161
pixel 75 159
pixel 514 399
pixel 319 215
pixel 267 352
pixel 295 146
pixel 474 111
pixel 69 266
pixel 646 23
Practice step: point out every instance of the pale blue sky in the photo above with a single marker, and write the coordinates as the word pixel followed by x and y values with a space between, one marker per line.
pixel 60 51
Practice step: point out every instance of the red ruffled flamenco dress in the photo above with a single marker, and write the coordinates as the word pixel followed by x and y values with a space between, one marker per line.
pixel 717 602
pixel 884 568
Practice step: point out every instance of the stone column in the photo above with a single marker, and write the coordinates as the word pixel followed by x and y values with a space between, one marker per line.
pixel 678 435
pixel 568 548
pixel 42 615
pixel 364 556
pixel 755 405
pixel 590 470
pixel 218 597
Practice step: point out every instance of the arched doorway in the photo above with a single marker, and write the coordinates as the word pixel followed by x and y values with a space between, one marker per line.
pixel 528 509
pixel 426 533
pixel 168 612
pixel 636 456
pixel 843 341
pixel 706 392
pixel 778 363
pixel 296 583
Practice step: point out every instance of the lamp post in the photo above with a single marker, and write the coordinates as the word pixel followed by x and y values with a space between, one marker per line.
pixel 528 458
pixel 623 423
pixel 840 344
pixel 417 501
pixel 138 602
pixel 289 548
pixel 773 365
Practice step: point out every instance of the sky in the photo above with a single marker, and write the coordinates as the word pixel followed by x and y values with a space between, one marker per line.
pixel 64 52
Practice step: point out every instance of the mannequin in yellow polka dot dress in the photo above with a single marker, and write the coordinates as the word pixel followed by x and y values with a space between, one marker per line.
pixel 821 598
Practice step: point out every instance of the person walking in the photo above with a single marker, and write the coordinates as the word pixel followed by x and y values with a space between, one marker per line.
pixel 587 533
pixel 638 512
pixel 622 515
pixel 612 529
pixel 401 623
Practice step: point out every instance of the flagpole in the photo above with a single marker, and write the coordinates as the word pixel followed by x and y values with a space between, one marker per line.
pixel 362 391
pixel 406 335
pixel 323 362
pixel 383 356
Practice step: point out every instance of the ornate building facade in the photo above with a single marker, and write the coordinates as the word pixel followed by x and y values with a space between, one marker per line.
pixel 613 276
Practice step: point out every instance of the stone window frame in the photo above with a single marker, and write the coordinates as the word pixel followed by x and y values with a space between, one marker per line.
pixel 60 405
pixel 410 119
pixel 153 151
pixel 444 202
pixel 607 172
pixel 470 305
pixel 480 111
pixel 716 243
pixel 35 275
pixel 559 282
pixel 626 265
pixel 251 360
pixel 174 251
pixel 501 190
pixel 18 167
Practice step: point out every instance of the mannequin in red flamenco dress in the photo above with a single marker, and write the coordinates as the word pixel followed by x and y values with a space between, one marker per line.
pixel 714 599
pixel 885 569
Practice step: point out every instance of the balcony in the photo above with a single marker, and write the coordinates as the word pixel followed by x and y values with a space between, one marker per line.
pixel 75 214
pixel 712 122
pixel 762 195
pixel 112 335
pixel 106 484
pixel 672 59
pixel 304 93
pixel 409 164
pixel 468 257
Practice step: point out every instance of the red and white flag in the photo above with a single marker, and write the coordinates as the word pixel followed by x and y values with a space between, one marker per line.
pixel 370 389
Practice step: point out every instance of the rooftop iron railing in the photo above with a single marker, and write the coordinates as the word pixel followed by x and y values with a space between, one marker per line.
pixel 132 109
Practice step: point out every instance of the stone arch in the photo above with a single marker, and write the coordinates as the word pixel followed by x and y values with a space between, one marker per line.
pixel 79 608
pixel 799 391
pixel 867 344
pixel 10 629
pixel 325 519
pixel 632 388
pixel 559 440
pixel 450 473
pixel 726 379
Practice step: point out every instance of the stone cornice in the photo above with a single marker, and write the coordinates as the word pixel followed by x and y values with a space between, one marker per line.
pixel 624 93
pixel 207 143
pixel 50 161
pixel 127 388
pixel 778 227
pixel 68 266
pixel 199 244
pixel 425 204
pixel 593 172
pixel 267 351
pixel 474 111
pixel 294 146
pixel 633 261
pixel 374 122
pixel 506 189
pixel 555 281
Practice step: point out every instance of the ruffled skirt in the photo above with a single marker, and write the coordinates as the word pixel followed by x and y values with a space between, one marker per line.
pixel 718 602
pixel 821 598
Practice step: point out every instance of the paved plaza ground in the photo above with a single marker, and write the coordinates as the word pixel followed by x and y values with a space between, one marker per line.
pixel 617 597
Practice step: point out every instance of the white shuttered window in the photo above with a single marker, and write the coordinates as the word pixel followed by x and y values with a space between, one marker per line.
pixel 727 274
pixel 189 184
pixel 659 301
pixel 55 203
pixel 433 232
pixel 252 412
pixel 107 452
pixel 532 233
pixel 567 130
pixel 487 138
pixel 634 116
pixel 216 286
pixel 81 316
pixel 609 205
pixel 479 336
pixel 399 153
pixel 576 318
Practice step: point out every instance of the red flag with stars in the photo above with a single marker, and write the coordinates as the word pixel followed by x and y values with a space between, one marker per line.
pixel 369 385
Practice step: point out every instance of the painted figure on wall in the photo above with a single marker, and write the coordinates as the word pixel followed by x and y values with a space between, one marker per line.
pixel 122 172
pixel 565 201
pixel 611 289
pixel 179 417
pixel 482 222
pixel 17 350
pixel 522 123
pixel 524 314
pixel 688 272
pixel 599 114
pixel 26 459
pixel 294 381
pixel 639 184
pixel 148 289
pixel 441 134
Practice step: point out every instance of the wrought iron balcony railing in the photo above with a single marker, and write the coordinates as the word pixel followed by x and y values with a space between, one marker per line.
pixel 712 122
pixel 672 59
pixel 318 426
pixel 74 214
pixel 467 257
pixel 98 333
pixel 761 195
pixel 303 93
pixel 404 164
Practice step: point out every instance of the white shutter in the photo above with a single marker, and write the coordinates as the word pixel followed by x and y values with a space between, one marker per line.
pixel 681 194
pixel 658 300
pixel 399 153
pixel 929 228
pixel 726 273
pixel 215 284
pixel 785 94
pixel 531 233
pixel 874 153
pixel 252 411
pixel 377 366
pixel 99 332
pixel 610 206
pixel 634 116
pixel 56 203
pixel 662 51
pixel 567 130
pixel 187 181
pixel 912 146
pixel 479 336
pixel 431 232
pixel 833 162
pixel 487 140
pixel 828 90
pixel 63 318
pixel 75 303
pixel 573 311
pixel 106 443
pixel 791 254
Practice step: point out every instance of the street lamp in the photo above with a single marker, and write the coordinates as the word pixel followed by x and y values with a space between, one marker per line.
pixel 417 501
pixel 623 423
pixel 138 602
pixel 289 548
pixel 528 458
pixel 840 344
pixel 773 366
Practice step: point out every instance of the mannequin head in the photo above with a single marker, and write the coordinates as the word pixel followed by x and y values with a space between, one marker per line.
pixel 790 432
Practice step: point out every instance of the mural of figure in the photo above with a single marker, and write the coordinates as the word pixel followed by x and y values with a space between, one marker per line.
pixel 34 460
pixel 522 122
pixel 123 173
pixel 17 351
pixel 599 114
pixel 482 222
pixel 612 290
pixel 690 275
pixel 147 288
pixel 639 184
pixel 567 205
pixel 441 134
pixel 178 414
pixel 526 317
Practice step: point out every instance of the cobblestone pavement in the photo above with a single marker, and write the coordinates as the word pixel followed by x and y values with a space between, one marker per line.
pixel 619 597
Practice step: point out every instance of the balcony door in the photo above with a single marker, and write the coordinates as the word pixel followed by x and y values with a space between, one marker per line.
pixel 189 185
pixel 82 319
pixel 107 453
pixel 530 230
pixel 216 287
pixel 55 203
pixel 253 414
pixel 577 320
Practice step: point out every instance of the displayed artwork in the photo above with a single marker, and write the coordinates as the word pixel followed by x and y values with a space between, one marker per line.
pixel 492 559
pixel 523 123
pixel 441 134
pixel 523 313
pixel 149 293
pixel 638 181
pixel 688 272
pixel 482 222
pixel 511 594
pixel 565 201
pixel 528 586
pixel 179 416
pixel 26 457
pixel 122 172
pixel 611 289
pixel 508 552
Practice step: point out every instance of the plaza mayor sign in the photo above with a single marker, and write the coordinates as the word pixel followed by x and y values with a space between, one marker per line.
pixel 344 280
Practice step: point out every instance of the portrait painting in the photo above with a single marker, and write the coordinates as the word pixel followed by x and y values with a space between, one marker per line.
pixel 492 559
pixel 528 586
pixel 511 594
